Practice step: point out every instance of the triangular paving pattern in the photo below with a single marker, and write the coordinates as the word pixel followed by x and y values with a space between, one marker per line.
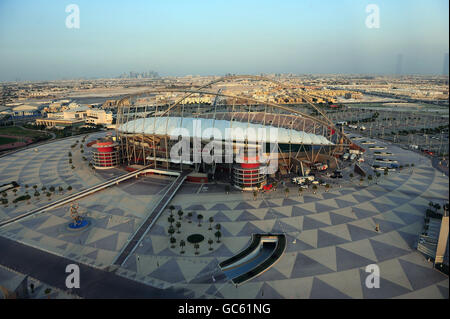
pixel 419 276
pixel 387 288
pixel 345 259
pixel 305 267
pixel 321 290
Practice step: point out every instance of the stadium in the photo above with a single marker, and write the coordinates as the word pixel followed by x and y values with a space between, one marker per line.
pixel 229 137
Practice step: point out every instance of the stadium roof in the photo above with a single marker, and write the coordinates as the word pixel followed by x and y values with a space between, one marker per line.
pixel 176 126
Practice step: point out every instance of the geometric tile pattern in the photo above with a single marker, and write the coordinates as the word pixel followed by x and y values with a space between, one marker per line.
pixel 331 236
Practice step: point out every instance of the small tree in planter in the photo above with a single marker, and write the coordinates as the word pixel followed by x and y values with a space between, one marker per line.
pixel 196 246
pixel 69 188
pixel 60 189
pixel 386 172
pixel 15 191
pixel 351 176
pixel 369 178
pixel 189 217
pixel 286 192
pixel 171 208
pixel 49 195
pixel 199 217
pixel 255 195
pixel 178 225
pixel 211 220
pixel 180 214
pixel 210 242
pixel 314 188
pixel 300 191
pixel 218 226
pixel 327 187
pixel 361 180
pixel 218 234
pixel 172 241
pixel 171 231
pixel 182 244
pixel 171 220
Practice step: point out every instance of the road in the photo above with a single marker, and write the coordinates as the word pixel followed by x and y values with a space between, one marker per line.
pixel 94 283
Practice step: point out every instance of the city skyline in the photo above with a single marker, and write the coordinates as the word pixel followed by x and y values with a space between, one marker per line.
pixel 215 38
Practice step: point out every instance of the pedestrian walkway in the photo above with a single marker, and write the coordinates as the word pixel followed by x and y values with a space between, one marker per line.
pixel 151 219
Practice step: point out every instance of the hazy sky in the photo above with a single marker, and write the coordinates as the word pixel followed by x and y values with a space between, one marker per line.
pixel 178 37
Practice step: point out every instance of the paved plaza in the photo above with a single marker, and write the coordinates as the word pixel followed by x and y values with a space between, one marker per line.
pixel 331 236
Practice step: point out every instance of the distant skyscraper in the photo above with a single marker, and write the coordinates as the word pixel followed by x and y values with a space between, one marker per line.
pixel 398 70
pixel 445 69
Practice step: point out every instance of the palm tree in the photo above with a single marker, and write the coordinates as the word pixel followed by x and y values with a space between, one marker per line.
pixel 180 213
pixel 218 234
pixel 210 242
pixel 47 292
pixel 182 244
pixel 172 208
pixel 211 220
pixel 178 225
pixel 189 217
pixel 196 246
pixel 171 231
pixel 172 241
pixel 199 217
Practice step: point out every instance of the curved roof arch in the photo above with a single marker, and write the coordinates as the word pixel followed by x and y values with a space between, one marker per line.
pixel 325 121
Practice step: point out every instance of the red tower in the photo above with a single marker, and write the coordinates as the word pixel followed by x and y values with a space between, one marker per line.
pixel 105 154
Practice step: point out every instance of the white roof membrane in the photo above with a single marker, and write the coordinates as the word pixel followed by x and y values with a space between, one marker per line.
pixel 208 129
